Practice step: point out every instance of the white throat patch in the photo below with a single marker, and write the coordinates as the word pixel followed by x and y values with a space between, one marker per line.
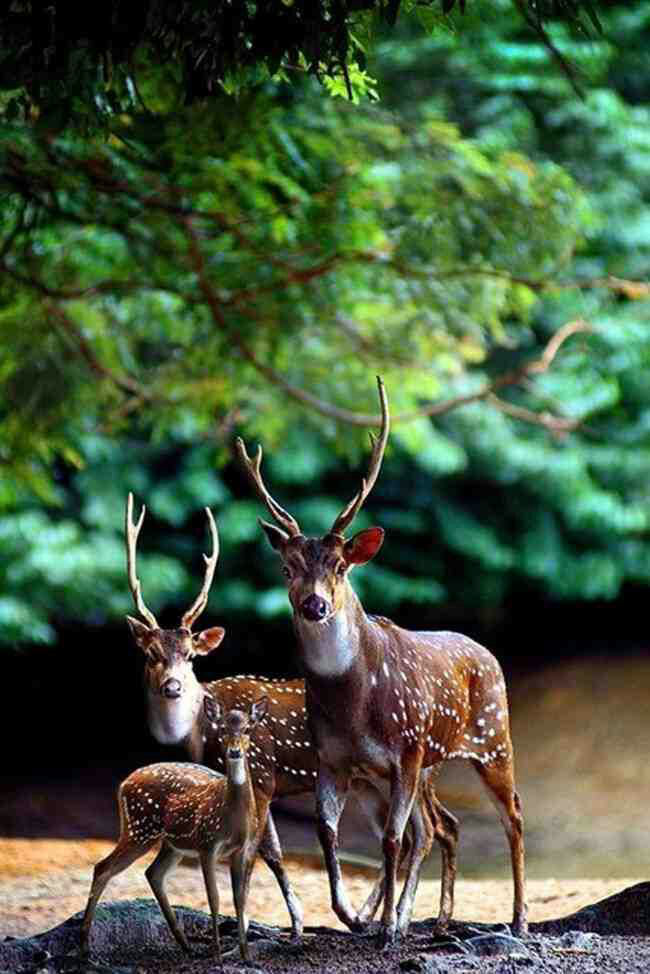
pixel 172 721
pixel 327 647
pixel 236 771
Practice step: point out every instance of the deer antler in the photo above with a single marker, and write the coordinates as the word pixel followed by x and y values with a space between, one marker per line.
pixel 132 529
pixel 351 510
pixel 284 519
pixel 201 600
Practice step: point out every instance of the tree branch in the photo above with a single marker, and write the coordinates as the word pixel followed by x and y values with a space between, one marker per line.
pixel 348 416
pixel 85 350
pixel 71 294
pixel 533 19
pixel 104 181
pixel 554 424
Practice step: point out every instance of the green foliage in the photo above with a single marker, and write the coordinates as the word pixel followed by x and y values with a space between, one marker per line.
pixel 249 265
pixel 565 515
pixel 62 66
pixel 232 244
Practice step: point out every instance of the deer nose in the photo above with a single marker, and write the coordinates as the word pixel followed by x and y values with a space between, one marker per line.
pixel 314 608
pixel 171 688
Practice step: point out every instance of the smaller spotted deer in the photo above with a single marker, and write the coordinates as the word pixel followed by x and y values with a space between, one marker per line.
pixel 195 812
pixel 177 704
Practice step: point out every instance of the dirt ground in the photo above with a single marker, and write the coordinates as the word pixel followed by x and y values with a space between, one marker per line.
pixel 45 881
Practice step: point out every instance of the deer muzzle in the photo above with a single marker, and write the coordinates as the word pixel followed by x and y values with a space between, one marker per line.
pixel 171 689
pixel 314 608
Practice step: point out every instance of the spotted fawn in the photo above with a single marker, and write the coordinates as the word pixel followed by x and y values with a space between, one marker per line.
pixel 191 811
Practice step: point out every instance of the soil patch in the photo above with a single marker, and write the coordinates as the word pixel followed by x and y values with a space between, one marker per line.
pixel 43 881
pixel 130 938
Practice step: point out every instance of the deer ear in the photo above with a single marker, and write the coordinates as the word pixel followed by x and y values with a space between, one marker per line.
pixel 140 632
pixel 204 642
pixel 363 546
pixel 276 536
pixel 258 710
pixel 212 709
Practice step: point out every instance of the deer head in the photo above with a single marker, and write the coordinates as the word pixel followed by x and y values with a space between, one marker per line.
pixel 169 652
pixel 317 568
pixel 235 726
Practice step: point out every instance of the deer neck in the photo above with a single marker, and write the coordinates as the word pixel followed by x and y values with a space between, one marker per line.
pixel 237 774
pixel 175 721
pixel 240 796
pixel 333 648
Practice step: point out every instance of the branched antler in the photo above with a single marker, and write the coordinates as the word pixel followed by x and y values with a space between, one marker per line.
pixel 252 467
pixel 351 510
pixel 132 529
pixel 201 600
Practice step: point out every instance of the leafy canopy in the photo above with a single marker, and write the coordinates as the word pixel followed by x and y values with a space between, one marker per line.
pixel 252 264
pixel 62 64
pixel 303 248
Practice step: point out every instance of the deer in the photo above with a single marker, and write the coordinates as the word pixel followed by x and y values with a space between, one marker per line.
pixel 178 705
pixel 383 702
pixel 189 810
pixel 282 757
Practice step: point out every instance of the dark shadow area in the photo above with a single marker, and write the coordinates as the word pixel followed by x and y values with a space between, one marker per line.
pixel 77 726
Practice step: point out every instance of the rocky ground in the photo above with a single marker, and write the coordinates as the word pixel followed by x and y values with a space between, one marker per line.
pixel 130 938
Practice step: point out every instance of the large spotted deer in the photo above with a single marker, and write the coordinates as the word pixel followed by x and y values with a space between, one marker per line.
pixel 190 811
pixel 384 702
pixel 282 757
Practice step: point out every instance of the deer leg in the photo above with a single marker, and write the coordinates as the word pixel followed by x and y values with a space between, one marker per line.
pixel 331 792
pixel 446 835
pixel 241 866
pixel 166 859
pixel 271 852
pixel 123 855
pixel 499 782
pixel 404 785
pixel 209 868
pixel 445 832
pixel 376 895
pixel 375 807
pixel 422 830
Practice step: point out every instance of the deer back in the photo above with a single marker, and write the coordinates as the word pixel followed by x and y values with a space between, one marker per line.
pixel 190 806
pixel 438 691
pixel 281 757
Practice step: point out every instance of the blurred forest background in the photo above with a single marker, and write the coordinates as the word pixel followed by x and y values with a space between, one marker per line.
pixel 173 274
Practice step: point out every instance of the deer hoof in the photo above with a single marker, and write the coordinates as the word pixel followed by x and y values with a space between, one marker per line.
pixel 519 927
pixel 353 923
pixel 388 937
pixel 185 947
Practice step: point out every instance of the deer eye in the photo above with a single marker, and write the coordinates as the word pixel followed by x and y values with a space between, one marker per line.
pixel 286 571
